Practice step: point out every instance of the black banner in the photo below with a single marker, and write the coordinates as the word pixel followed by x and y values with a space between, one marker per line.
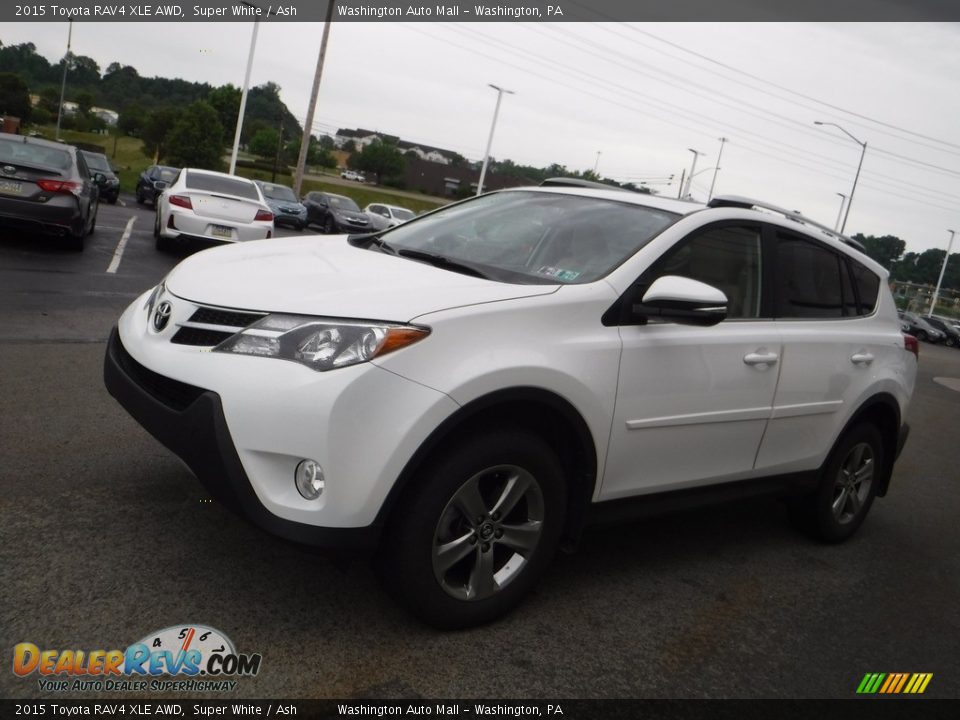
pixel 865 709
pixel 503 11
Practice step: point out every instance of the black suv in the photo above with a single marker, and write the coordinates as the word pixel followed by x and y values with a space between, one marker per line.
pixel 335 213
pixel 110 184
pixel 47 187
pixel 153 181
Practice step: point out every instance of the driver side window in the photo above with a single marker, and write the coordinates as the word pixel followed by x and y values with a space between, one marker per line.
pixel 726 257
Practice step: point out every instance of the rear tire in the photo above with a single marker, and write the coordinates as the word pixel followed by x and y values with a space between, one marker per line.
pixel 477 529
pixel 159 240
pixel 848 485
pixel 329 226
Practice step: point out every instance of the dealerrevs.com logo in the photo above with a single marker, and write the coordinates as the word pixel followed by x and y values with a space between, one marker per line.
pixel 196 657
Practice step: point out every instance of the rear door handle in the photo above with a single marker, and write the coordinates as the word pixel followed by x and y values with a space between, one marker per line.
pixel 861 358
pixel 760 358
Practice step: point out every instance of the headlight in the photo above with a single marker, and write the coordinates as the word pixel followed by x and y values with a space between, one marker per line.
pixel 320 343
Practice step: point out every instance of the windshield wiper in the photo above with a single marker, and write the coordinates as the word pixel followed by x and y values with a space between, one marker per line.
pixel 365 240
pixel 442 261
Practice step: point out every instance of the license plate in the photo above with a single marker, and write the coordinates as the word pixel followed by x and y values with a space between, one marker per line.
pixel 9 187
pixel 220 231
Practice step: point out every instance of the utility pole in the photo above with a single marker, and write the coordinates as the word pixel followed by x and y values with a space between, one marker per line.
pixel 693 167
pixel 276 158
pixel 596 164
pixel 680 190
pixel 493 126
pixel 308 123
pixel 843 200
pixel 63 84
pixel 716 169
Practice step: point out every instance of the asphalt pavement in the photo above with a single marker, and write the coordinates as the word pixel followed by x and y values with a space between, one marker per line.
pixel 106 537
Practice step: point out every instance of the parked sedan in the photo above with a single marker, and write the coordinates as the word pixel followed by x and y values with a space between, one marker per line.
pixel 920 328
pixel 110 184
pixel 950 331
pixel 153 181
pixel 353 175
pixel 335 213
pixel 287 210
pixel 211 206
pixel 387 216
pixel 47 187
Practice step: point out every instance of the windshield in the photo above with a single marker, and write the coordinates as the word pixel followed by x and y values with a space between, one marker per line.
pixel 97 162
pixel 401 214
pixel 544 237
pixel 278 192
pixel 338 202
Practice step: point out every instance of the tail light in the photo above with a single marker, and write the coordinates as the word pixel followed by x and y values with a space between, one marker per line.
pixel 264 215
pixel 181 201
pixel 911 344
pixel 60 186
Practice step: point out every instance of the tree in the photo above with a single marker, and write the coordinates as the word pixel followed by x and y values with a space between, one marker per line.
pixel 226 101
pixel 132 120
pixel 14 96
pixel 886 250
pixel 155 131
pixel 264 143
pixel 84 102
pixel 380 158
pixel 326 142
pixel 196 140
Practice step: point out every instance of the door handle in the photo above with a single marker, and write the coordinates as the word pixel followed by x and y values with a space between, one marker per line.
pixel 861 358
pixel 760 358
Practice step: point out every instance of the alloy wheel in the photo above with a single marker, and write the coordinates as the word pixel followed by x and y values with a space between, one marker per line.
pixel 487 532
pixel 853 482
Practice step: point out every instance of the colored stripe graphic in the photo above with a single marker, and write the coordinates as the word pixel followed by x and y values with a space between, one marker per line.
pixel 894 683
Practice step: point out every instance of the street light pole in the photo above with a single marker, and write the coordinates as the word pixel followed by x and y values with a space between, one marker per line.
pixel 693 166
pixel 597 163
pixel 943 269
pixel 863 152
pixel 713 182
pixel 493 126
pixel 63 84
pixel 843 200
pixel 243 96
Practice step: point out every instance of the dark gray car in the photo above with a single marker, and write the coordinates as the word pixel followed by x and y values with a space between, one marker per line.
pixel 46 188
pixel 335 213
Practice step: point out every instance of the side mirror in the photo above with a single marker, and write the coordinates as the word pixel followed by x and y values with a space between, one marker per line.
pixel 99 178
pixel 683 301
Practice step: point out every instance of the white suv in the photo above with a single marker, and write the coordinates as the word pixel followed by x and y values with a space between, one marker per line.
pixel 467 391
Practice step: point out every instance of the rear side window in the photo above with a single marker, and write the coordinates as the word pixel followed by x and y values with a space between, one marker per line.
pixel 868 287
pixel 809 283
pixel 222 185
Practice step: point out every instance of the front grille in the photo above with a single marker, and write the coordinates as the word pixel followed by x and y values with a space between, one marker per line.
pixel 199 336
pixel 230 318
pixel 172 393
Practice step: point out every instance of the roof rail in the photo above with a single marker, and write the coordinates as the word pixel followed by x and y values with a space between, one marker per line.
pixel 738 201
pixel 581 183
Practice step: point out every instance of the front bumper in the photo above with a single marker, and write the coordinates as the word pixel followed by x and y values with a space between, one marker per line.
pixel 190 421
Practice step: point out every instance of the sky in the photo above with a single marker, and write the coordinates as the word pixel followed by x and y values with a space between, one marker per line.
pixel 640 95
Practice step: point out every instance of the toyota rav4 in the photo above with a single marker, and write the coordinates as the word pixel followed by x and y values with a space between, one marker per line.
pixel 467 391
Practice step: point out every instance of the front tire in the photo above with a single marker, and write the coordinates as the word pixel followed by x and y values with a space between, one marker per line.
pixel 848 486
pixel 922 336
pixel 329 226
pixel 476 531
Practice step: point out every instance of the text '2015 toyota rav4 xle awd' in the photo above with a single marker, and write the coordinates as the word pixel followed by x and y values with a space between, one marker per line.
pixel 469 389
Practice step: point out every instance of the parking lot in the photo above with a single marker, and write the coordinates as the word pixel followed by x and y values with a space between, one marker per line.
pixel 107 537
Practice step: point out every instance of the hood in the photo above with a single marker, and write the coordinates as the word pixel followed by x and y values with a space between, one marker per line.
pixel 325 275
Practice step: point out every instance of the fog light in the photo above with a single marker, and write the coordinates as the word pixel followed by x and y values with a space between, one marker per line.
pixel 309 479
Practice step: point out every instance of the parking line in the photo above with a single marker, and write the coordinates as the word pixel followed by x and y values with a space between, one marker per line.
pixel 118 253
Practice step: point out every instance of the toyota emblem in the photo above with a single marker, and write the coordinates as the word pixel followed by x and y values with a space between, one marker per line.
pixel 162 316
